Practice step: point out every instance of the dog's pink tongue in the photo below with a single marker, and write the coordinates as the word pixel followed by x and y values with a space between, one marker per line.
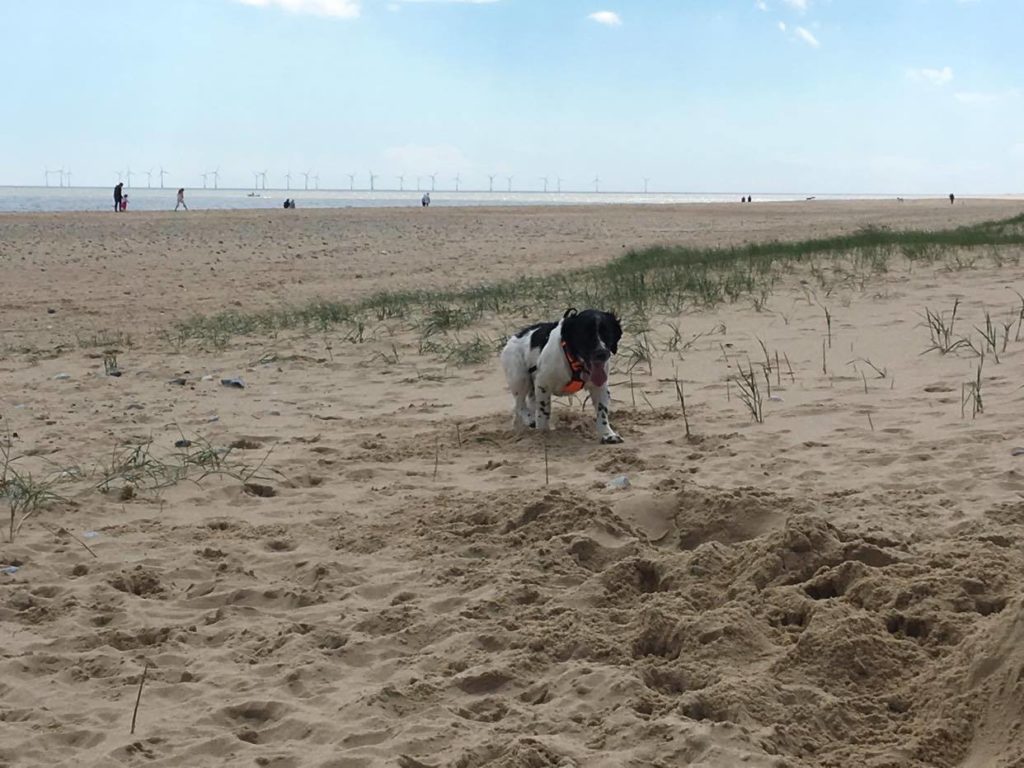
pixel 598 374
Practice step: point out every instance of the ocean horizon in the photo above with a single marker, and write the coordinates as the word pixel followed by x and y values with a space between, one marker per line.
pixel 20 199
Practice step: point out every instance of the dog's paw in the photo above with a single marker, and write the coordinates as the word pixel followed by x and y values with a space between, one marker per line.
pixel 611 439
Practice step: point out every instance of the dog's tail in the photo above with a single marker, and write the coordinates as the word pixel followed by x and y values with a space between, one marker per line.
pixel 570 312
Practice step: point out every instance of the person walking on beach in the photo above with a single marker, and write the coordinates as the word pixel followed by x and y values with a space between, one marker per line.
pixel 425 202
pixel 181 199
pixel 951 198
pixel 117 196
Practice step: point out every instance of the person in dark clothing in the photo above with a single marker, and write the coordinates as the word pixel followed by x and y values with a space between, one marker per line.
pixel 118 196
pixel 951 198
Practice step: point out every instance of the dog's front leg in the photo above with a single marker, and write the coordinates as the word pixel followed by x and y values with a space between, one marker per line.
pixel 542 396
pixel 602 403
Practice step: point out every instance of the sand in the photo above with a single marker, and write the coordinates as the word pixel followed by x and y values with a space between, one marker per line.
pixel 386 579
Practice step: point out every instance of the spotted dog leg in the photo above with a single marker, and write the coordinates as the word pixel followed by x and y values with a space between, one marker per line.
pixel 602 400
pixel 543 398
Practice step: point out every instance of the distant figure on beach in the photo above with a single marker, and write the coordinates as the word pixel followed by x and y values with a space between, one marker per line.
pixel 287 203
pixel 117 197
pixel 951 198
pixel 124 202
pixel 426 199
pixel 743 199
pixel 181 200
pixel 750 199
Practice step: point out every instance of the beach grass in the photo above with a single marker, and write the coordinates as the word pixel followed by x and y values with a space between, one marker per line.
pixel 663 279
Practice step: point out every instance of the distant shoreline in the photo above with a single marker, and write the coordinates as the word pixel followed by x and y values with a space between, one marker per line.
pixel 96 199
pixel 195 210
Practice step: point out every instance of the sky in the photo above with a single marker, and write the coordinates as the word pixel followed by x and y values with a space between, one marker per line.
pixel 816 96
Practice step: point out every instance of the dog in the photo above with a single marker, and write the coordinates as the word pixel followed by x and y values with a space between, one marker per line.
pixel 562 358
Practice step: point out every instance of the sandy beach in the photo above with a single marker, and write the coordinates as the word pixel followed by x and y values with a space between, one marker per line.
pixel 356 562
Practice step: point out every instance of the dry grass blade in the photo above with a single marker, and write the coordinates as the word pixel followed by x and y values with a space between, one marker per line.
pixel 749 393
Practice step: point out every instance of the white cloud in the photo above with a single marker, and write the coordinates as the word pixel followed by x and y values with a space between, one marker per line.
pixel 807 37
pixel 342 9
pixel 470 2
pixel 937 77
pixel 608 18
pixel 761 5
pixel 799 5
pixel 782 26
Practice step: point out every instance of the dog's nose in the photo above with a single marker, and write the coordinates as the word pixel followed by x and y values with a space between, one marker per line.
pixel 602 355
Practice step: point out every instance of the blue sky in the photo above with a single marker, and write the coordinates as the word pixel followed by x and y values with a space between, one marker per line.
pixel 902 96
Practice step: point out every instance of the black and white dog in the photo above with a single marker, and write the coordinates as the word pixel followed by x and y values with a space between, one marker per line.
pixel 562 358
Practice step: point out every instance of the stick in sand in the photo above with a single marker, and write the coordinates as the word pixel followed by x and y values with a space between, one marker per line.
pixel 138 698
pixel 547 478
pixel 437 455
pixel 63 531
pixel 682 404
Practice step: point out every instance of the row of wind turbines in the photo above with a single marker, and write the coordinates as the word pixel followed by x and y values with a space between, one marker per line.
pixel 211 180
pixel 260 182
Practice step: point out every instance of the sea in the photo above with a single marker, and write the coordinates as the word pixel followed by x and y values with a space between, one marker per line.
pixel 50 199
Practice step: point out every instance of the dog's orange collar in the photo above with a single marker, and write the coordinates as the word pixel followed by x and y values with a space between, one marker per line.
pixel 577 368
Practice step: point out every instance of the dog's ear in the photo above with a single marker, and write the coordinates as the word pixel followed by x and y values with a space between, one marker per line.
pixel 570 312
pixel 611 331
pixel 572 332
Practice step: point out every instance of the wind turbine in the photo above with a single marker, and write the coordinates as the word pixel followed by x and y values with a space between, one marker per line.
pixel 46 176
pixel 306 175
pixel 68 174
pixel 216 176
pixel 129 174
pixel 263 173
pixel 288 180
pixel 204 175
pixel 433 180
pixel 373 180
pixel 558 180
pixel 120 176
pixel 316 181
pixel 545 180
pixel 457 182
pixel 597 183
pixel 162 174
pixel 490 186
pixel 509 182
pixel 351 182
pixel 149 178
pixel 401 183
pixel 646 179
